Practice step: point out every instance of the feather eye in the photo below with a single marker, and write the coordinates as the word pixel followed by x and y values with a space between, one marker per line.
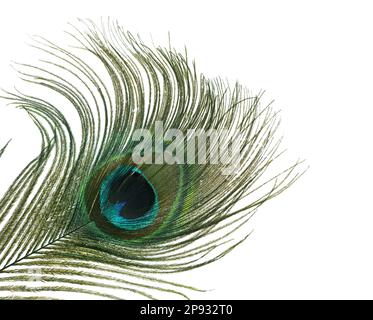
pixel 83 217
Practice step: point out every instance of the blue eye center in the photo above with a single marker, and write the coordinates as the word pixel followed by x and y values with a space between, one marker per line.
pixel 128 200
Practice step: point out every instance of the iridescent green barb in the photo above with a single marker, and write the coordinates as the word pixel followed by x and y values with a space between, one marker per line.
pixel 53 222
pixel 3 148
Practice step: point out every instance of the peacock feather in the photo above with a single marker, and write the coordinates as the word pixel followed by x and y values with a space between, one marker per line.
pixel 83 217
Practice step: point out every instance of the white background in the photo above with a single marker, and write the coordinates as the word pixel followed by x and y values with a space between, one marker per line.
pixel 315 58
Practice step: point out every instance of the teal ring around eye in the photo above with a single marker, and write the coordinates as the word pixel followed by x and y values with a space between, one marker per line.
pixel 112 211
